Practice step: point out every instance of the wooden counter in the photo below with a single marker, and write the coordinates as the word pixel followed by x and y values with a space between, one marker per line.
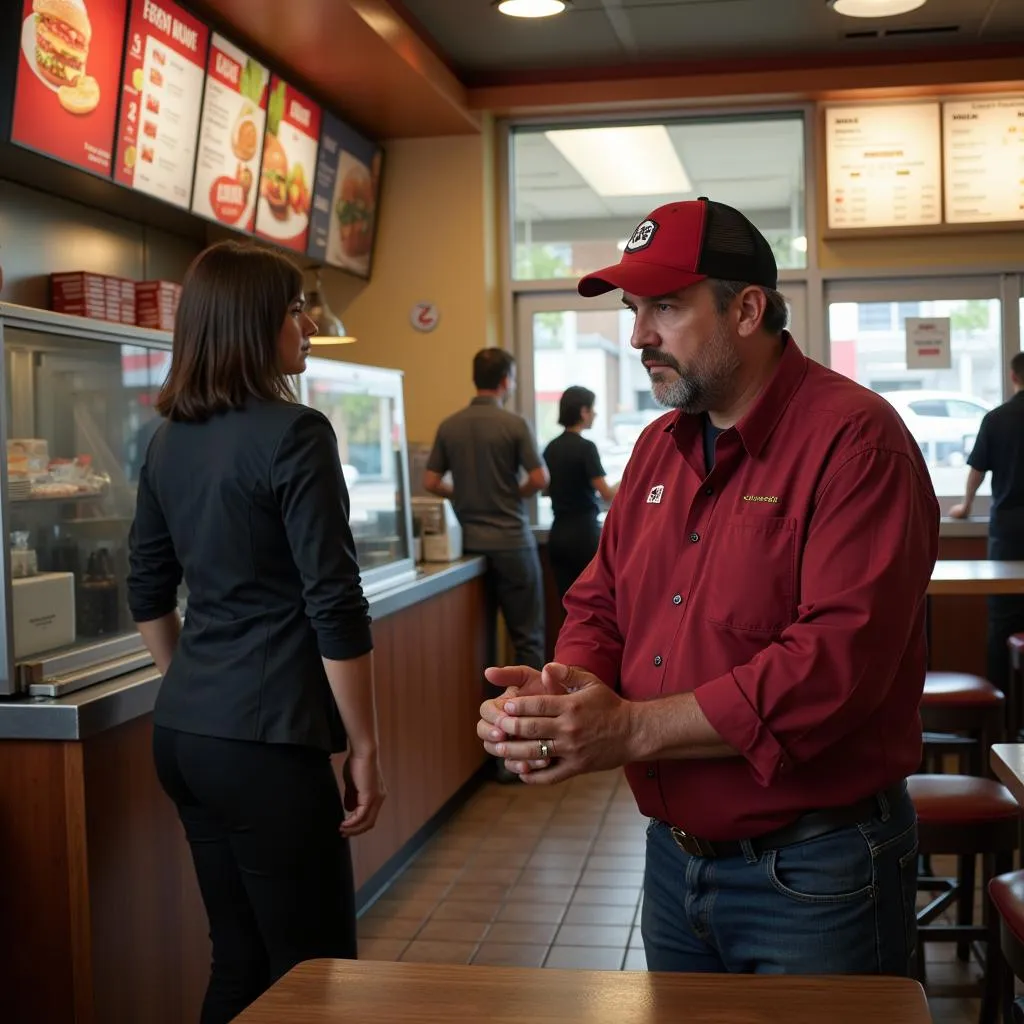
pixel 100 916
pixel 385 993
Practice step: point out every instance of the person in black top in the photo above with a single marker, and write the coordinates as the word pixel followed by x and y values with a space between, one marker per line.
pixel 999 449
pixel 577 477
pixel 242 494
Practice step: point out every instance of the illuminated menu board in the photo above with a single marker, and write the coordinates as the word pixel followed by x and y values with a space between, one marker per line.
pixel 883 165
pixel 289 162
pixel 230 137
pixel 162 90
pixel 66 86
pixel 983 159
pixel 345 197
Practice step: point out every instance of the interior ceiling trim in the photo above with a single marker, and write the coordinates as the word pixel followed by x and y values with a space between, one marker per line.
pixel 359 57
pixel 805 78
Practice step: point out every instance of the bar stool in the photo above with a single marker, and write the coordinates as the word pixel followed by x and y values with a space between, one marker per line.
pixel 966 816
pixel 1007 893
pixel 961 714
pixel 1015 698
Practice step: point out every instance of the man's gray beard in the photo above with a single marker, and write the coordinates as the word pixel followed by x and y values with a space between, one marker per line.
pixel 683 393
pixel 695 393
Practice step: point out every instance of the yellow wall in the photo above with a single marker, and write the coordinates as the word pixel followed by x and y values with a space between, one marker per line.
pixel 434 243
pixel 992 250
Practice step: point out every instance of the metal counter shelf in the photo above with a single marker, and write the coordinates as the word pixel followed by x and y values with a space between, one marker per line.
pixel 109 704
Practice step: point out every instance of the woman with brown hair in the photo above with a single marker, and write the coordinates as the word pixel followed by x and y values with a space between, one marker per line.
pixel 271 673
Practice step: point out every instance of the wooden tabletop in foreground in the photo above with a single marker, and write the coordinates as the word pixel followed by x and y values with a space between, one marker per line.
pixel 376 992
pixel 1007 760
pixel 976 576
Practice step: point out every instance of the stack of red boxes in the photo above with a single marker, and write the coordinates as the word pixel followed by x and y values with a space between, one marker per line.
pixel 79 294
pixel 98 296
pixel 120 300
pixel 156 304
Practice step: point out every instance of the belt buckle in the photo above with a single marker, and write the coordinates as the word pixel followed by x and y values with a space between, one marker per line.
pixel 691 844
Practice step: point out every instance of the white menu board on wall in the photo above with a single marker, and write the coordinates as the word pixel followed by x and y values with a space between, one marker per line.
pixel 883 165
pixel 983 158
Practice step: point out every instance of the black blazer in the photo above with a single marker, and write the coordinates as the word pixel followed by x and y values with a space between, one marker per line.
pixel 252 507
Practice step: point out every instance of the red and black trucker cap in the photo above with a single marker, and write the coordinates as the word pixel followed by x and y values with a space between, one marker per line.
pixel 682 243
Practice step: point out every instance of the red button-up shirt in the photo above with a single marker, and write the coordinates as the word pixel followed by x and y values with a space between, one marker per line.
pixel 786 589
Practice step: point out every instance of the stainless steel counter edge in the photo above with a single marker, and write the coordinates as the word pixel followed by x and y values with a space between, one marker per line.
pixel 432 578
pixel 106 705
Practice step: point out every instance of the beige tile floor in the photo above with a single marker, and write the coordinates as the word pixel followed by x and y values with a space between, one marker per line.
pixel 536 877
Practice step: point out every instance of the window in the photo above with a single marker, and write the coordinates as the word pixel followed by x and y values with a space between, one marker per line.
pixel 578 193
pixel 942 408
pixel 874 316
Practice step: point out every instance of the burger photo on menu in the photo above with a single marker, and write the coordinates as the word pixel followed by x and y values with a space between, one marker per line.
pixel 355 205
pixel 284 195
pixel 55 41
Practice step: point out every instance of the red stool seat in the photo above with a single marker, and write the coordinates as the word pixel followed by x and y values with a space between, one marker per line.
pixel 960 800
pixel 959 688
pixel 1007 892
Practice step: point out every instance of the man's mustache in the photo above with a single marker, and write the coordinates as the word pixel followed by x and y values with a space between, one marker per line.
pixel 663 360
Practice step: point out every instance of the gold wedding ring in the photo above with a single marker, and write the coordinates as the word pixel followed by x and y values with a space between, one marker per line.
pixel 545 750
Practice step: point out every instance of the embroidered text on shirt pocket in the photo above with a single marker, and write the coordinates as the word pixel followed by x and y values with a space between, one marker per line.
pixel 753 586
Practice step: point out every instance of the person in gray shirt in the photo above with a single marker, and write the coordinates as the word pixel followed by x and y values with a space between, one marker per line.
pixel 485 447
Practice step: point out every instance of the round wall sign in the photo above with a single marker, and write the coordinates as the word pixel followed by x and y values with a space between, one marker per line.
pixel 424 316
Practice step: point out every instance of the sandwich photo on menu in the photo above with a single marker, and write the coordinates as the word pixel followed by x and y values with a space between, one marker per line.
pixel 55 41
pixel 284 190
pixel 355 207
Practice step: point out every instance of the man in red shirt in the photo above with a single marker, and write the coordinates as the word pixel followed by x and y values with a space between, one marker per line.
pixel 749 641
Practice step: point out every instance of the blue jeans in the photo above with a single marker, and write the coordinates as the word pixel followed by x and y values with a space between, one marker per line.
pixel 842 903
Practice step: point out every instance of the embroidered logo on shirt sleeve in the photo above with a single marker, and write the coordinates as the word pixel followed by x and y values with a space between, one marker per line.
pixel 654 498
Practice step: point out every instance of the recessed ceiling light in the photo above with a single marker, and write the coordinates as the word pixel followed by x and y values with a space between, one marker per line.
pixel 531 8
pixel 633 160
pixel 874 8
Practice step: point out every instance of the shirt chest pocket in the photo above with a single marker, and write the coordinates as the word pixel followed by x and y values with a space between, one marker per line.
pixel 751 578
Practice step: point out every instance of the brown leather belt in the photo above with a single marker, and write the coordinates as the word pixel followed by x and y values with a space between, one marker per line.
pixel 807 826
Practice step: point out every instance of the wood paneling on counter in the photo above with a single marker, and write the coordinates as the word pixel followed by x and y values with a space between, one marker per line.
pixel 101 920
pixel 429 663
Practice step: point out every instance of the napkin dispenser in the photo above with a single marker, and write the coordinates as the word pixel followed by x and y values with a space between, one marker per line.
pixel 440 531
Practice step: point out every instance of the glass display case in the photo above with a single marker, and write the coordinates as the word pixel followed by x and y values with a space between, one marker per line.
pixel 366 409
pixel 78 416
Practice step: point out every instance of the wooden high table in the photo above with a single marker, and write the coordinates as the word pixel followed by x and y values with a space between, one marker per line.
pixel 1007 760
pixel 974 577
pixel 388 993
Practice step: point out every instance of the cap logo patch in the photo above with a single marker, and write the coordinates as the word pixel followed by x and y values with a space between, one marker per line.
pixel 642 237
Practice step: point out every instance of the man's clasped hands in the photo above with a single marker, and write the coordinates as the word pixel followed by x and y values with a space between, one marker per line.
pixel 556 723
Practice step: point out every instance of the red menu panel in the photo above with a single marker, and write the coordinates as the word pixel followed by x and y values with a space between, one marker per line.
pixel 230 137
pixel 162 89
pixel 65 100
pixel 289 166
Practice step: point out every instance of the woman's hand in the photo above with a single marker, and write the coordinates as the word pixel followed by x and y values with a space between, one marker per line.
pixel 364 793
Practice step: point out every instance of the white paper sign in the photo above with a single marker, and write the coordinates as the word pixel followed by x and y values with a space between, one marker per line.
pixel 928 343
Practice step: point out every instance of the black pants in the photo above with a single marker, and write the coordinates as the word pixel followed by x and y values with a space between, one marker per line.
pixel 572 545
pixel 1005 614
pixel 515 585
pixel 274 871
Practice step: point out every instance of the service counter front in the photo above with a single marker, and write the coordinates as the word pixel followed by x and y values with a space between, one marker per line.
pixel 100 915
